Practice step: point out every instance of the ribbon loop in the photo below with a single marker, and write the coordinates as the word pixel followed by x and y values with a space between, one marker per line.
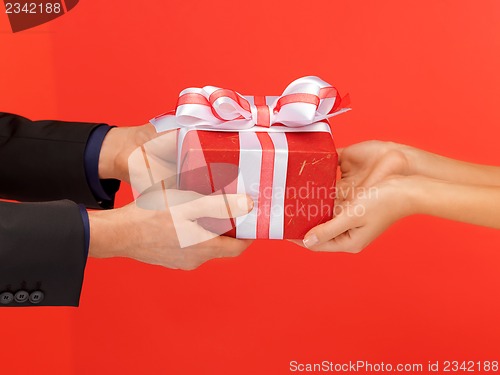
pixel 263 112
pixel 304 101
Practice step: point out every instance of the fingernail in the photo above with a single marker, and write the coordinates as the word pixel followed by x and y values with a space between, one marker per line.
pixel 245 203
pixel 310 240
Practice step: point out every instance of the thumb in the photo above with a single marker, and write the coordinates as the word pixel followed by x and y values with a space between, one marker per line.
pixel 327 231
pixel 339 153
pixel 220 206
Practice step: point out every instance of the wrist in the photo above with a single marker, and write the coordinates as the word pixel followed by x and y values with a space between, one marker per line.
pixel 105 234
pixel 406 156
pixel 117 146
pixel 429 195
pixel 414 159
pixel 408 193
pixel 109 166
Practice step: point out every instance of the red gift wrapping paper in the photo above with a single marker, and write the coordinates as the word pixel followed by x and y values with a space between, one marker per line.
pixel 209 163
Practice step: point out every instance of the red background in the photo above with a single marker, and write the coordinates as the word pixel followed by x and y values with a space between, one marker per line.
pixel 423 73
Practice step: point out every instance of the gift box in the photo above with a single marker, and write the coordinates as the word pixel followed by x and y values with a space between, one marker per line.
pixel 290 176
pixel 278 150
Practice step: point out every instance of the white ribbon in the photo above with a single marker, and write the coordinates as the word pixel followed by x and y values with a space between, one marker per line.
pixel 305 101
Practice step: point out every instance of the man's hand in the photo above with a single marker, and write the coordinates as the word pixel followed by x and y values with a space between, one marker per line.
pixel 121 142
pixel 156 228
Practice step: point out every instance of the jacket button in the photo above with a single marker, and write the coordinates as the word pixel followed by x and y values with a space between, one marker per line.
pixel 6 298
pixel 36 297
pixel 21 296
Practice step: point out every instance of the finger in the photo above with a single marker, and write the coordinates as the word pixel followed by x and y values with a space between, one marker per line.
pixel 158 197
pixel 208 245
pixel 352 241
pixel 162 144
pixel 190 233
pixel 152 163
pixel 341 243
pixel 297 242
pixel 344 242
pixel 327 231
pixel 220 206
pixel 374 177
pixel 224 247
pixel 377 176
pixel 346 188
pixel 347 242
pixel 186 207
pixel 220 247
pixel 339 152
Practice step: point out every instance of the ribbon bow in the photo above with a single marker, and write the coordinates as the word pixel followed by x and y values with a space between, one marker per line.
pixel 305 101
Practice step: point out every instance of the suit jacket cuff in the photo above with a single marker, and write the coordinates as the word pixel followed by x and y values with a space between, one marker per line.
pixel 103 190
pixel 41 250
pixel 45 161
pixel 86 229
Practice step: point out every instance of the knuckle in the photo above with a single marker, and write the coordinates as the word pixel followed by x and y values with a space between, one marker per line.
pixel 211 206
pixel 321 231
pixel 326 232
pixel 183 261
pixel 356 248
pixel 224 250
pixel 218 252
pixel 234 252
pixel 220 206
pixel 189 266
pixel 316 249
pixel 221 211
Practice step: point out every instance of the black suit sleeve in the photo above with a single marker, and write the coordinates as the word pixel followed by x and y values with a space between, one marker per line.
pixel 42 255
pixel 42 245
pixel 44 160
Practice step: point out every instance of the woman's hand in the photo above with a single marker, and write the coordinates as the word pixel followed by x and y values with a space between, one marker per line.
pixel 369 163
pixel 370 211
pixel 369 197
pixel 361 218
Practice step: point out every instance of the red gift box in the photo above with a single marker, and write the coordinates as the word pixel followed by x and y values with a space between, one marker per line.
pixel 277 149
pixel 290 175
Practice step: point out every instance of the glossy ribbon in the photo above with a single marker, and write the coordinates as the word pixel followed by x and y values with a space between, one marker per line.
pixel 304 102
